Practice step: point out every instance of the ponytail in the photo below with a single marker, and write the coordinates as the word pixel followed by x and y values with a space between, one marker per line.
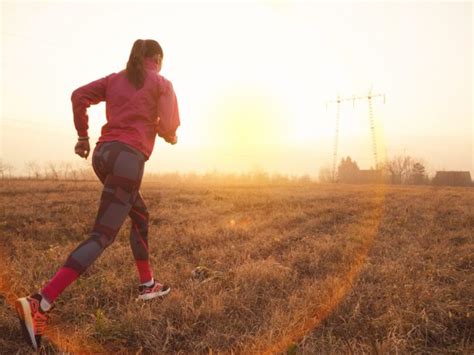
pixel 135 68
pixel 142 48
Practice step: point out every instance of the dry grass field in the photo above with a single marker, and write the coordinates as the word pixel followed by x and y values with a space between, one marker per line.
pixel 296 268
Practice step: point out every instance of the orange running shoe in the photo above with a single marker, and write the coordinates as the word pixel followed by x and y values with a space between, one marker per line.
pixel 149 292
pixel 32 318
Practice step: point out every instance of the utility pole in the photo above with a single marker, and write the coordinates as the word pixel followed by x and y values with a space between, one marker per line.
pixel 340 100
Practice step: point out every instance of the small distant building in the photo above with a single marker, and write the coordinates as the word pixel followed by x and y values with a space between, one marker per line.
pixel 369 177
pixel 452 178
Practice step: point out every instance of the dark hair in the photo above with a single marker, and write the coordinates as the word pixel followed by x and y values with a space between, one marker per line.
pixel 142 48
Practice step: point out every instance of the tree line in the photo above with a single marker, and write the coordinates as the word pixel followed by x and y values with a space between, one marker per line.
pixel 83 171
pixel 49 170
pixel 400 169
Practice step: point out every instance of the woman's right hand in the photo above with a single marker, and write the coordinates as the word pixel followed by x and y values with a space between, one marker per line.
pixel 82 148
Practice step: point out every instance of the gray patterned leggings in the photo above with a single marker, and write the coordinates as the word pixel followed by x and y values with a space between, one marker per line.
pixel 120 168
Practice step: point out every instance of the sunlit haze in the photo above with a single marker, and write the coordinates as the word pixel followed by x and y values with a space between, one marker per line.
pixel 252 80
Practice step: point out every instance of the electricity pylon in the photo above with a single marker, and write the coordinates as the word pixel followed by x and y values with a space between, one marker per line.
pixel 339 100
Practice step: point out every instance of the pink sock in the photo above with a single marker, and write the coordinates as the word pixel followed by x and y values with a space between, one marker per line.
pixel 63 278
pixel 144 271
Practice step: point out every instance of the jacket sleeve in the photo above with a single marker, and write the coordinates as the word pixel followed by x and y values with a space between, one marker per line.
pixel 168 112
pixel 82 98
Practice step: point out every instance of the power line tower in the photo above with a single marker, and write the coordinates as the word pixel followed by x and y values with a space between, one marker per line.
pixel 339 101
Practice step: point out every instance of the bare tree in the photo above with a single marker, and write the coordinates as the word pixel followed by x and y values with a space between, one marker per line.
pixel 6 170
pixel 325 174
pixel 2 169
pixel 9 170
pixel 51 171
pixel 65 169
pixel 398 168
pixel 34 170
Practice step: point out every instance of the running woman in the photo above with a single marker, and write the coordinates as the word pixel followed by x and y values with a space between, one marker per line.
pixel 140 103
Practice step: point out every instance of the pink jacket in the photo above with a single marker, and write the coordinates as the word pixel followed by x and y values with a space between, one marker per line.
pixel 134 117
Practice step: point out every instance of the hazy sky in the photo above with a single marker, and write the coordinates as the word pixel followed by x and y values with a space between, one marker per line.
pixel 252 80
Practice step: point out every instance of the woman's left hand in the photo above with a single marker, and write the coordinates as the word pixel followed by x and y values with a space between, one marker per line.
pixel 172 140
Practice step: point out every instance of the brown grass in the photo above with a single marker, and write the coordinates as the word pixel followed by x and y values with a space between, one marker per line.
pixel 297 268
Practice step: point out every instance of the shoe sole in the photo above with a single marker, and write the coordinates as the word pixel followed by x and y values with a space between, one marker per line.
pixel 149 296
pixel 22 307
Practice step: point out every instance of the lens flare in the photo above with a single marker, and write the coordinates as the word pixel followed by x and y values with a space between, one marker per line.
pixel 337 293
